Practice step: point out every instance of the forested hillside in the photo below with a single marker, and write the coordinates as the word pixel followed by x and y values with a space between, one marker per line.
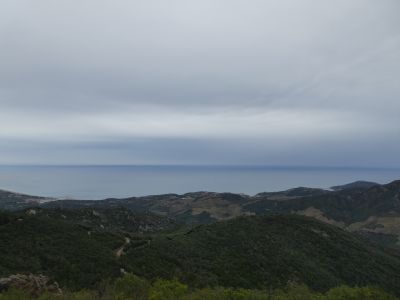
pixel 260 252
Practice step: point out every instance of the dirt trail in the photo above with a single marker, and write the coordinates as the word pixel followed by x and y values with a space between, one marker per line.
pixel 120 250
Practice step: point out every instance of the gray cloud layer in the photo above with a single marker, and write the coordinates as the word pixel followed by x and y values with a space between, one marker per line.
pixel 270 82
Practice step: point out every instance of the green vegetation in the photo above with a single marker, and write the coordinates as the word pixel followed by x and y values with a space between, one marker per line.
pixel 365 208
pixel 348 205
pixel 131 287
pixel 266 251
pixel 72 254
pixel 116 219
pixel 16 201
pixel 252 253
pixel 359 185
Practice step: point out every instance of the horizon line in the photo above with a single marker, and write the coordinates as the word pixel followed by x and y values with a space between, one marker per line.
pixel 259 166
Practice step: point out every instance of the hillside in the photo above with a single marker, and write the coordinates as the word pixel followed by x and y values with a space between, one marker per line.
pixel 77 247
pixel 116 219
pixel 197 207
pixel 250 252
pixel 362 185
pixel 373 212
pixel 72 254
pixel 263 251
pixel 17 201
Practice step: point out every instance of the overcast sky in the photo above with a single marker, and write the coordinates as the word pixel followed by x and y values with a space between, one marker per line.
pixel 283 82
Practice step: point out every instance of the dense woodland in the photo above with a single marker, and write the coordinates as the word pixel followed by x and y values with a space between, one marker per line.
pixel 254 257
pixel 136 249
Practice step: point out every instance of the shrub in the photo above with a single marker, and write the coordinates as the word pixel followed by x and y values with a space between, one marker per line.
pixel 221 293
pixel 356 293
pixel 297 292
pixel 14 295
pixel 167 290
pixel 131 286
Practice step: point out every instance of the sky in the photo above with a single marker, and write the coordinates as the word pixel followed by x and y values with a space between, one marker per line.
pixel 236 82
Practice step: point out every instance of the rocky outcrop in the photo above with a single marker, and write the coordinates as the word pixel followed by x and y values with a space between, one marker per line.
pixel 35 285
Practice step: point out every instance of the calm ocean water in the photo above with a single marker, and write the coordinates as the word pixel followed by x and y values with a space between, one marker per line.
pixel 98 182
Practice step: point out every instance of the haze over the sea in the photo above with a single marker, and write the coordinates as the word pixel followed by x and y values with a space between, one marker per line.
pixel 99 182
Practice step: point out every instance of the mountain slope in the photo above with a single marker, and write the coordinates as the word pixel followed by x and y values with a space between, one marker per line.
pixel 372 212
pixel 251 252
pixel 347 206
pixel 17 201
pixel 116 219
pixel 262 252
pixel 72 254
pixel 361 185
pixel 199 207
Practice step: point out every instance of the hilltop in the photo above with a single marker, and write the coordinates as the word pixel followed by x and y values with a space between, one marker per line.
pixel 355 185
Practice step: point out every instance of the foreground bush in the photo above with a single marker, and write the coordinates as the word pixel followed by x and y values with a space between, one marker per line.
pixel 132 287
pixel 168 290
pixel 366 293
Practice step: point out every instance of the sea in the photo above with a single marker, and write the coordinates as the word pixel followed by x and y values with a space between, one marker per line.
pixel 100 182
